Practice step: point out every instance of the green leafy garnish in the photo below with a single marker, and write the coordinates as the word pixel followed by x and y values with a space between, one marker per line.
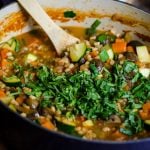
pixel 90 31
pixel 106 38
pixel 69 14
pixel 82 93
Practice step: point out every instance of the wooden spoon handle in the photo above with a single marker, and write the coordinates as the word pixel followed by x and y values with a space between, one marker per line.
pixel 58 36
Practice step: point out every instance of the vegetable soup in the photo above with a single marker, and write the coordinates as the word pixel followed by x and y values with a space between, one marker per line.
pixel 97 89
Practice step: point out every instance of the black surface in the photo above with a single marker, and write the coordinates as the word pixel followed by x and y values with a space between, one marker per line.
pixel 5 2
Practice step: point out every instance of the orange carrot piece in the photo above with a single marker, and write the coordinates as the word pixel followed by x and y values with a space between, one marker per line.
pixel 4 64
pixel 1 73
pixel 4 53
pixel 146 107
pixel 130 49
pixel 120 46
pixel 20 99
pixel 94 53
pixel 118 135
pixel 144 115
pixel 145 112
pixel 2 93
pixel 46 123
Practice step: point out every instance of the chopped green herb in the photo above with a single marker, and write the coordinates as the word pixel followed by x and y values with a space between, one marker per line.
pixel 88 49
pixel 93 69
pixel 83 94
pixel 69 14
pixel 92 30
pixel 102 38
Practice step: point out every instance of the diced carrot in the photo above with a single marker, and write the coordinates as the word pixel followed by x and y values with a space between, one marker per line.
pixel 120 46
pixel 145 112
pixel 118 134
pixel 2 93
pixel 4 64
pixel 94 53
pixel 119 40
pixel 146 107
pixel 4 53
pixel 143 115
pixel 20 99
pixel 130 49
pixel 46 123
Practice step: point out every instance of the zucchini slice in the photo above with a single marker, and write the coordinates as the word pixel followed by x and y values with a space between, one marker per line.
pixel 66 127
pixel 12 44
pixel 12 81
pixel 77 51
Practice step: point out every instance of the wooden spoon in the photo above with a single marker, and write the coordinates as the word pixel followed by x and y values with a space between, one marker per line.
pixel 58 36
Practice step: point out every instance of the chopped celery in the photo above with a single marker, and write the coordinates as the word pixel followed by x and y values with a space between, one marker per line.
pixel 104 56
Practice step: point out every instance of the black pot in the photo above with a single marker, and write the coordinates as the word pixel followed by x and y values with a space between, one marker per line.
pixel 19 133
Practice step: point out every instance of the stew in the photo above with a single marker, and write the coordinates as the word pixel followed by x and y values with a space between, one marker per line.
pixel 97 89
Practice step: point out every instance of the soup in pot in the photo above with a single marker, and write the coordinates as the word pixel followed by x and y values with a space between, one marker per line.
pixel 97 89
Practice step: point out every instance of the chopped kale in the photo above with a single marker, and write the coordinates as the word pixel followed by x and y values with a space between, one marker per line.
pixel 82 93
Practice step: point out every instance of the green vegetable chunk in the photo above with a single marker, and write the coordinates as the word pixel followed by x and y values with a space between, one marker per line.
pixel 77 51
pixel 12 81
pixel 90 31
pixel 12 44
pixel 69 14
pixel 70 129
pixel 102 38
pixel 104 56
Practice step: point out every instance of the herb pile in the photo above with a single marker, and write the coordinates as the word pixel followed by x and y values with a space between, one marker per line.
pixel 92 96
